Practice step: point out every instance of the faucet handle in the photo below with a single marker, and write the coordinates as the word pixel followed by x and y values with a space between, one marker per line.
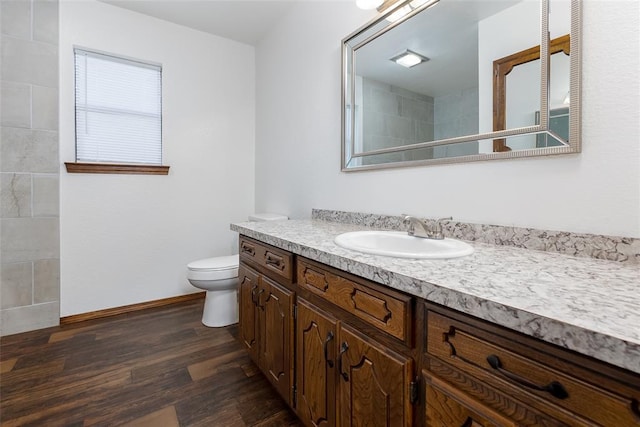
pixel 436 231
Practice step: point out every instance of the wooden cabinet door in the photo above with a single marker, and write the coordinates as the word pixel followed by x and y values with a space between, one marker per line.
pixel 449 407
pixel 373 383
pixel 276 336
pixel 248 288
pixel 315 366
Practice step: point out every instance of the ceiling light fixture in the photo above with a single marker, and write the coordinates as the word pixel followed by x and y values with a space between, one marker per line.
pixel 409 59
pixel 368 4
pixel 410 7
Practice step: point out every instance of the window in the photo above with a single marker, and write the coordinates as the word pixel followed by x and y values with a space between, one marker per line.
pixel 118 111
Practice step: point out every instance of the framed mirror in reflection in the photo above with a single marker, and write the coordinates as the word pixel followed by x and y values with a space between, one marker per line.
pixel 461 80
pixel 518 70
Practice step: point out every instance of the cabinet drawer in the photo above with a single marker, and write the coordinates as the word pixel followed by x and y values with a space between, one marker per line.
pixel 272 259
pixel 447 406
pixel 387 310
pixel 522 375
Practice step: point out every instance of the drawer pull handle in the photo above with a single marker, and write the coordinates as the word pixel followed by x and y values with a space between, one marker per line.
pixel 343 348
pixel 248 249
pixel 274 261
pixel 554 387
pixel 326 344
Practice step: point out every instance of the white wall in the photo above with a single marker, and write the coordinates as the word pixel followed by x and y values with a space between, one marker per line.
pixel 125 238
pixel 298 137
pixel 522 23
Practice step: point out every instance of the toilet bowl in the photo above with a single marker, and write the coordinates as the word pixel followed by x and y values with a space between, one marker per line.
pixel 219 277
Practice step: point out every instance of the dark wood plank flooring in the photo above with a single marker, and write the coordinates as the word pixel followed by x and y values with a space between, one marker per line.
pixel 158 367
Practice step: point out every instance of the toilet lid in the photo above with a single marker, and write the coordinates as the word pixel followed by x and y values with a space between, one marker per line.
pixel 215 264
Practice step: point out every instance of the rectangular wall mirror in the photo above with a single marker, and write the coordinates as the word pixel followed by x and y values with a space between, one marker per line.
pixel 443 81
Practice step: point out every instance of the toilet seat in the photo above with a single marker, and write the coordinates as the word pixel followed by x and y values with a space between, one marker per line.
pixel 218 268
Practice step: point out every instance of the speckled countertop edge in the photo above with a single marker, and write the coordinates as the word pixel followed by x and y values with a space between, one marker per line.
pixel 587 305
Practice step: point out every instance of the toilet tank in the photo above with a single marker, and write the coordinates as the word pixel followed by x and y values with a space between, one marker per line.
pixel 259 217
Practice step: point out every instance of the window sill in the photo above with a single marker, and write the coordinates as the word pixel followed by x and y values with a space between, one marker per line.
pixel 108 168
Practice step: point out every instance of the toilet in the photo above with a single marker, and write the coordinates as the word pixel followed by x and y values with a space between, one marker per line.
pixel 219 277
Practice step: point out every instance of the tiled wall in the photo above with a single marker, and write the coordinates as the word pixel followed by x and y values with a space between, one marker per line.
pixel 456 114
pixel 29 166
pixel 394 116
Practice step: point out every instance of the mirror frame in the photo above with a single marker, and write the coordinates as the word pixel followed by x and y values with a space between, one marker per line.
pixel 348 96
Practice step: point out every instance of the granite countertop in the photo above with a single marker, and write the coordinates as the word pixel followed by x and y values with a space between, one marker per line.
pixel 587 305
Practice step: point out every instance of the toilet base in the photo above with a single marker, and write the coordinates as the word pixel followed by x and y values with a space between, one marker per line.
pixel 220 308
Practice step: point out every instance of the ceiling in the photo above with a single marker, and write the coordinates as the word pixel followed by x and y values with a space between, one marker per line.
pixel 246 21
pixel 451 40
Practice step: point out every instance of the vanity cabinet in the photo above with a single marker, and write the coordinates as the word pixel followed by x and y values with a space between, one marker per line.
pixel 344 376
pixel 356 383
pixel 386 310
pixel 494 371
pixel 344 351
pixel 275 317
pixel 249 328
pixel 316 349
pixel 446 406
pixel 266 313
pixel 375 383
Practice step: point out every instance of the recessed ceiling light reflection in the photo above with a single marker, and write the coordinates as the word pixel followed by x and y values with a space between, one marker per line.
pixel 409 59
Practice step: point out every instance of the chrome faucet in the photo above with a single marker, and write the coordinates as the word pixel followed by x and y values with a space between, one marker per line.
pixel 426 230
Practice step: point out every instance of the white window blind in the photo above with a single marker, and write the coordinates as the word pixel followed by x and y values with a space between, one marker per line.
pixel 118 109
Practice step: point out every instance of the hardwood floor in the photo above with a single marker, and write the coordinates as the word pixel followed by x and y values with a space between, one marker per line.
pixel 158 367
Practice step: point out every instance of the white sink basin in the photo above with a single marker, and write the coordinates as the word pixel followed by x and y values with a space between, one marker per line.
pixel 401 245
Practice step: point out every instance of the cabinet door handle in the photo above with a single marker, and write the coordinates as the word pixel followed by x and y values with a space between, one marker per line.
pixel 635 408
pixel 554 388
pixel 326 344
pixel 274 261
pixel 343 348
pixel 253 295
pixel 258 299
